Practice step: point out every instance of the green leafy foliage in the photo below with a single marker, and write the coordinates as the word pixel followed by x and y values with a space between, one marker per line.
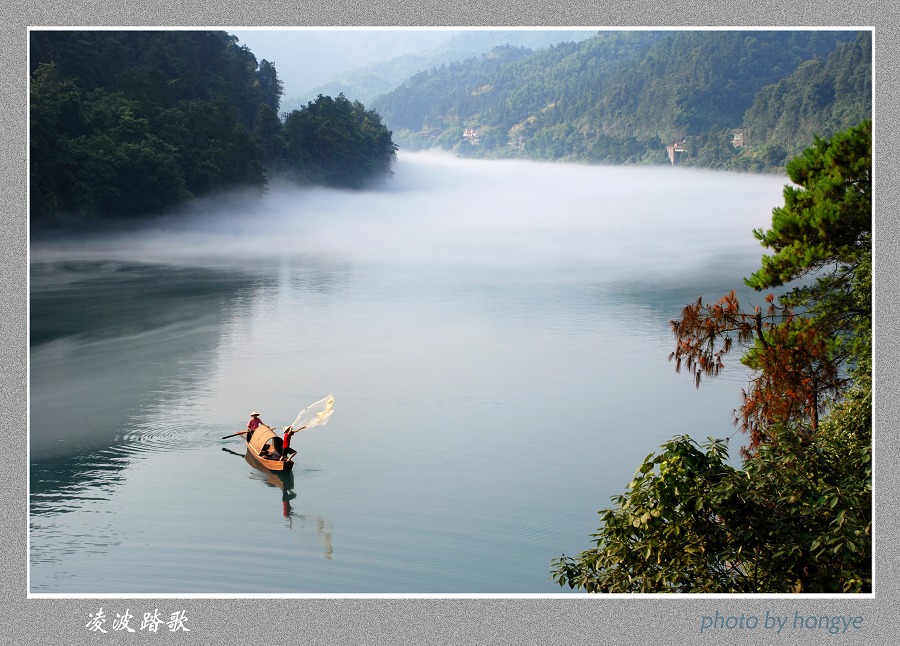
pixel 823 235
pixel 797 517
pixel 351 143
pixel 827 216
pixel 128 124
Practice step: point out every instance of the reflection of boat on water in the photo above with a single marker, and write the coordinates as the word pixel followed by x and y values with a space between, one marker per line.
pixel 265 446
pixel 284 480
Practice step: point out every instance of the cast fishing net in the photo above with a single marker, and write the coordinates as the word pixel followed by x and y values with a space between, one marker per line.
pixel 315 414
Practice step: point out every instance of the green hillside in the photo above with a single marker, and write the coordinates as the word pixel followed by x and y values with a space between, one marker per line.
pixel 125 124
pixel 622 97
pixel 369 81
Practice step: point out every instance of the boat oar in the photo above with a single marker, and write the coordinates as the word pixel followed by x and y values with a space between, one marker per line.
pixel 234 435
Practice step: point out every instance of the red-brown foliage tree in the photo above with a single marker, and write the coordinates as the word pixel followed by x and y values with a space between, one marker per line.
pixel 804 348
pixel 794 370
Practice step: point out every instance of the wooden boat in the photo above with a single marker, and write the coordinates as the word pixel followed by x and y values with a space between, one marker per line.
pixel 283 480
pixel 265 446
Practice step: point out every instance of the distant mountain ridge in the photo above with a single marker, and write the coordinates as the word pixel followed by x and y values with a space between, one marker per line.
pixel 367 81
pixel 744 100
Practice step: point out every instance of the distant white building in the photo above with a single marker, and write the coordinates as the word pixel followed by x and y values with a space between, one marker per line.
pixel 675 151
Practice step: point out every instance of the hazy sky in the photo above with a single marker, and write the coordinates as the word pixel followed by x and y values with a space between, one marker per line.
pixel 308 58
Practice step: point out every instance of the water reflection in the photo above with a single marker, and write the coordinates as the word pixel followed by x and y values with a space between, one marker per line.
pixel 284 482
pixel 472 333
pixel 116 345
pixel 61 484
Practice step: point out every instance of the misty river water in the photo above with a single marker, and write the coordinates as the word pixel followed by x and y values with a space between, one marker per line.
pixel 495 335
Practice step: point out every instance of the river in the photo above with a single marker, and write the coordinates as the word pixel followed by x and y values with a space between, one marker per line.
pixel 495 335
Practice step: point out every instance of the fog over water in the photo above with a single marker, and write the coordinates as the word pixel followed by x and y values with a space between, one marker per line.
pixel 438 211
pixel 495 334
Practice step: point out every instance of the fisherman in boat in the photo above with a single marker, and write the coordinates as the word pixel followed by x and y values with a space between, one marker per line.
pixel 286 441
pixel 253 424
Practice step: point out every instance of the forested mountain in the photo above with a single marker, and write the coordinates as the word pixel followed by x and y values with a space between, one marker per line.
pixel 130 123
pixel 127 123
pixel 372 80
pixel 622 97
pixel 820 98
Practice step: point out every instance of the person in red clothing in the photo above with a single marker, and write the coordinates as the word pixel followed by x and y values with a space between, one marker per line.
pixel 286 441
